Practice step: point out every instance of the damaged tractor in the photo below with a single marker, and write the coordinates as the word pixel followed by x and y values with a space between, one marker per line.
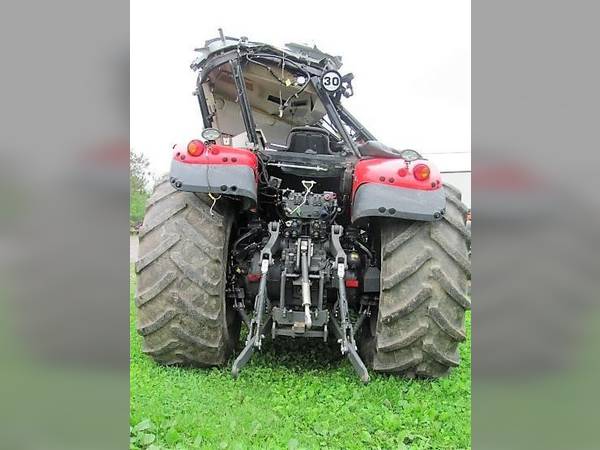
pixel 289 217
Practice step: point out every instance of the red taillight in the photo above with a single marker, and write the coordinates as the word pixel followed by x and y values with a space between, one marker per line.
pixel 196 147
pixel 421 172
pixel 351 283
pixel 253 277
pixel 402 171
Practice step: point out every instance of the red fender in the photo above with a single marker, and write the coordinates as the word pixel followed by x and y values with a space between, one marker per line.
pixel 394 172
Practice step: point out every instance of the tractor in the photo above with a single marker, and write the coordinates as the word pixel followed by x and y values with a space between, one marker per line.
pixel 290 218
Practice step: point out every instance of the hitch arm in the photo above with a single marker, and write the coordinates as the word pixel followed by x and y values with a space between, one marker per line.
pixel 343 330
pixel 259 323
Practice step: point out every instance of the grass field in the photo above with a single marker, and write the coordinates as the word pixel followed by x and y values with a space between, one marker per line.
pixel 306 399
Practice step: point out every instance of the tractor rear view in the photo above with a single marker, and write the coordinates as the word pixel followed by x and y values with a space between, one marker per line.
pixel 288 217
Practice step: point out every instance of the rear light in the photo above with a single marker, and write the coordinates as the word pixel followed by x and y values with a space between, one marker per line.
pixel 351 283
pixel 253 277
pixel 196 147
pixel 421 172
pixel 402 171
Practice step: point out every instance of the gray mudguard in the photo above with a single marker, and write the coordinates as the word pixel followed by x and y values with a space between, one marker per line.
pixel 379 200
pixel 226 179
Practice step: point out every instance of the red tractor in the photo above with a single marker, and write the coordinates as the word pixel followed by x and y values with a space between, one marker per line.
pixel 290 217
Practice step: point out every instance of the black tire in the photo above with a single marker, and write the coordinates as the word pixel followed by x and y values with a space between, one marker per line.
pixel 182 312
pixel 424 275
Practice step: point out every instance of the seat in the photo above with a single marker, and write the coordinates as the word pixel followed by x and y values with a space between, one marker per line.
pixel 309 140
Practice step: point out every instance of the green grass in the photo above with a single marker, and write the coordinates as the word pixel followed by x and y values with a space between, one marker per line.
pixel 295 394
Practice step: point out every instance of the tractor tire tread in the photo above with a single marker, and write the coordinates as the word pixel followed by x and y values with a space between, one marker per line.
pixel 420 318
pixel 181 311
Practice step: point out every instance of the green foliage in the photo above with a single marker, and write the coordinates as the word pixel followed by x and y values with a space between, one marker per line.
pixel 141 435
pixel 138 172
pixel 139 177
pixel 296 394
pixel 137 202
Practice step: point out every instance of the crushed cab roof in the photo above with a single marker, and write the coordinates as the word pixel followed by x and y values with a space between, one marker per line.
pixel 300 53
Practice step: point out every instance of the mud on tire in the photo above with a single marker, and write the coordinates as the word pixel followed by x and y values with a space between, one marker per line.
pixel 424 271
pixel 182 313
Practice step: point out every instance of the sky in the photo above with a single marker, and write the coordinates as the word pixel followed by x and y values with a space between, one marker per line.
pixel 411 61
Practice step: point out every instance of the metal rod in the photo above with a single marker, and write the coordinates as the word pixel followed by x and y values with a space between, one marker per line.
pixel 343 304
pixel 358 364
pixel 282 289
pixel 248 350
pixel 321 287
pixel 243 315
pixel 298 256
pixel 243 357
pixel 354 123
pixel 360 321
pixel 334 117
pixel 297 166
pixel 206 117
pixel 247 117
pixel 306 300
pixel 351 353
pixel 258 324
pixel 310 275
pixel 260 305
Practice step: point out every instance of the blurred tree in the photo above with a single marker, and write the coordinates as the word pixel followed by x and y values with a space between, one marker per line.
pixel 139 177
pixel 138 172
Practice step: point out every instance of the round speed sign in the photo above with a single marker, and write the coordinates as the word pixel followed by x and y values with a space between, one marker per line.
pixel 331 80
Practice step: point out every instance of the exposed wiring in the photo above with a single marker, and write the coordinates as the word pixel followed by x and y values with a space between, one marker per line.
pixel 214 199
pixel 285 104
pixel 279 58
pixel 249 58
pixel 263 167
pixel 283 62
pixel 308 185
pixel 333 215
pixel 245 236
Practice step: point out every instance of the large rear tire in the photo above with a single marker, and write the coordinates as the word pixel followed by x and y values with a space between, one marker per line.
pixel 424 275
pixel 182 312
